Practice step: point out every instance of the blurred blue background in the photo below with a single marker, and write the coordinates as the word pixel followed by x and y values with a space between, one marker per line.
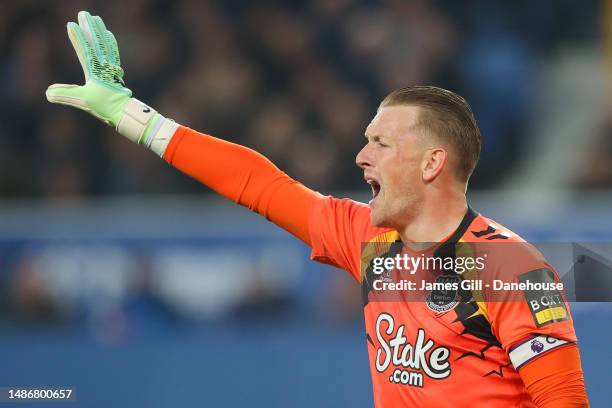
pixel 196 301
pixel 127 280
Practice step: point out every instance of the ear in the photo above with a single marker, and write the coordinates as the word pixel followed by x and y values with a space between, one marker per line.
pixel 433 163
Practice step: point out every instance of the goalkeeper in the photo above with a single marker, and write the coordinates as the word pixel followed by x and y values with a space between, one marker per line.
pixel 421 149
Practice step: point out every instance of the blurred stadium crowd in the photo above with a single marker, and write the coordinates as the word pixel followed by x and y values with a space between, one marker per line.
pixel 299 81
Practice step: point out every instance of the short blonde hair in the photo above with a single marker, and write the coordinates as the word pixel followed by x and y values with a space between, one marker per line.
pixel 446 115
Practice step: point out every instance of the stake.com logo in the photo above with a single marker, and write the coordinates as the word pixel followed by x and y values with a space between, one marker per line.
pixel 418 356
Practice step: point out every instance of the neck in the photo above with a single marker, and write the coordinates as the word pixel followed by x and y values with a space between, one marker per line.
pixel 437 218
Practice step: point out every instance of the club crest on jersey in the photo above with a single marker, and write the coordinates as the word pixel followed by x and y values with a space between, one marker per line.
pixel 445 293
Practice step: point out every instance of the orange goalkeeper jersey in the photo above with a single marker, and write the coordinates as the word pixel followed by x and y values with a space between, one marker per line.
pixel 430 349
pixel 442 351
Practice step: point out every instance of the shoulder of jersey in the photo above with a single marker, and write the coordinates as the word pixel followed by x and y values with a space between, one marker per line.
pixel 521 255
pixel 483 229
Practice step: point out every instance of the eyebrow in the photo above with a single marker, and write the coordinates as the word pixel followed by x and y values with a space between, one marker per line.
pixel 374 138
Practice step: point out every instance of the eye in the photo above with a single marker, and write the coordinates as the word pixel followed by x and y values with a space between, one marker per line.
pixel 381 144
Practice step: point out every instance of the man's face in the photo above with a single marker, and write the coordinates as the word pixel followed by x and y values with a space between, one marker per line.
pixel 392 161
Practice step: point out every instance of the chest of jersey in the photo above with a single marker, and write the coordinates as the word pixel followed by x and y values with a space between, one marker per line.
pixel 419 357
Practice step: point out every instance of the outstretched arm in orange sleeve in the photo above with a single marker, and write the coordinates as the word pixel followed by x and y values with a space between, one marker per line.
pixel 243 176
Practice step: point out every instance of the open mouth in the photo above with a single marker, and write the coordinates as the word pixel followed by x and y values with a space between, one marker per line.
pixel 375 188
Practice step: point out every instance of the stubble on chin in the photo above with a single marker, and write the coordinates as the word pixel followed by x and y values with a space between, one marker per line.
pixel 375 218
pixel 379 220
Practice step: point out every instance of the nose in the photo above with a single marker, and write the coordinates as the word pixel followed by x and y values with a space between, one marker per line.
pixel 363 158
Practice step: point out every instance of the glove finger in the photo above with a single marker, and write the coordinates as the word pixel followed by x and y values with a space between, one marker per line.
pixel 87 27
pixel 81 47
pixel 113 48
pixel 113 56
pixel 112 41
pixel 71 95
pixel 75 96
pixel 100 34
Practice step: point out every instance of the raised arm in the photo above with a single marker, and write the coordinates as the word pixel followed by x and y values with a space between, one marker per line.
pixel 236 172
pixel 245 177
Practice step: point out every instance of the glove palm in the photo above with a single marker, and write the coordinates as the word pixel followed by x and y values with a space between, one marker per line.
pixel 104 94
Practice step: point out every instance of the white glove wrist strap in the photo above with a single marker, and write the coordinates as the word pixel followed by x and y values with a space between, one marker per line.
pixel 136 116
pixel 143 125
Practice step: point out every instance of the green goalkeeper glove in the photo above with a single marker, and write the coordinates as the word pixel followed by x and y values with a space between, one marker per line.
pixel 104 94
